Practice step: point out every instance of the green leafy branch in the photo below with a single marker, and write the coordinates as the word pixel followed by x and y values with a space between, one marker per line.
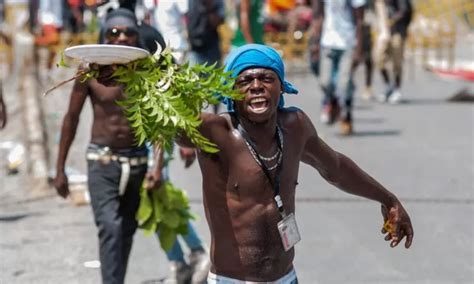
pixel 164 99
pixel 165 210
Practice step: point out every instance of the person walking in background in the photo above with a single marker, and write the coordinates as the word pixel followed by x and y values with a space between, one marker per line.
pixel 203 19
pixel 73 15
pixel 299 19
pixel 398 15
pixel 116 166
pixel 169 19
pixel 250 22
pixel 180 270
pixel 149 36
pixel 277 14
pixel 367 54
pixel 337 30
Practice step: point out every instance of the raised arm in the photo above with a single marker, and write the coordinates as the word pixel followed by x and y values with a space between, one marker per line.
pixel 68 132
pixel 343 173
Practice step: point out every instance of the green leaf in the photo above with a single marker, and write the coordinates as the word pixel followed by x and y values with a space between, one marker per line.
pixel 167 237
pixel 62 61
pixel 163 99
pixel 171 219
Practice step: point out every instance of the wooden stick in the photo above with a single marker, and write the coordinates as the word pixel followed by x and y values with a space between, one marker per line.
pixel 79 74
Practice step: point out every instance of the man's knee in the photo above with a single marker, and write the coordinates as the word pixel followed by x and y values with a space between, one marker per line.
pixel 109 226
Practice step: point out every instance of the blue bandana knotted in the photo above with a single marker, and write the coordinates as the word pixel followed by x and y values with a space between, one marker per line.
pixel 257 56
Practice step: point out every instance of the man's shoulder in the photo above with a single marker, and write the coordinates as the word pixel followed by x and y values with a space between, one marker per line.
pixel 290 109
pixel 291 112
pixel 212 119
pixel 293 116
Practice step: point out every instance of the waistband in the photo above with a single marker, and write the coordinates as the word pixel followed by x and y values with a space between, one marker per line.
pixel 138 151
pixel 131 156
pixel 289 278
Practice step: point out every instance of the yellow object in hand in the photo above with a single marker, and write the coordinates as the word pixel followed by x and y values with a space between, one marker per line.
pixel 388 227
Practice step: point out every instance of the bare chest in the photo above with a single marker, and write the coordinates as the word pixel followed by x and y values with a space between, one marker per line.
pixel 105 95
pixel 258 181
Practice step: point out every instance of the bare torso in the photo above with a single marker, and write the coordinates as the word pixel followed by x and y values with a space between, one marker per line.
pixel 110 126
pixel 240 208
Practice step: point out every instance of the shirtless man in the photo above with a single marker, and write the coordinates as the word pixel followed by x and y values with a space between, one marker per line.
pixel 240 200
pixel 116 166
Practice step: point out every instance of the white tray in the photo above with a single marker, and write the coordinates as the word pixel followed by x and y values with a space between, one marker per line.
pixel 105 54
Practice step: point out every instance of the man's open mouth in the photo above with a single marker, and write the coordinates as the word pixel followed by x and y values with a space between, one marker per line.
pixel 258 105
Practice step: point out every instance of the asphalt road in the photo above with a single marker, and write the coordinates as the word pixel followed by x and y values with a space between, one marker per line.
pixel 422 150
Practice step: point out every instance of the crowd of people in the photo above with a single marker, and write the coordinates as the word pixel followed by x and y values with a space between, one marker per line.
pixel 253 236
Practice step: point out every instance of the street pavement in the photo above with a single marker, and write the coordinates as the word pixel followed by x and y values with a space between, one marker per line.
pixel 422 150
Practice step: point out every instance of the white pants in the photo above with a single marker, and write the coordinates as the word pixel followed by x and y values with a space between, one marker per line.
pixel 289 278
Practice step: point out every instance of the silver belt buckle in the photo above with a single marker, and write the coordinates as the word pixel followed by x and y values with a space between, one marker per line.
pixel 105 155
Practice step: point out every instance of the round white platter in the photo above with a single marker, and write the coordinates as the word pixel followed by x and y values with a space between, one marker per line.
pixel 105 54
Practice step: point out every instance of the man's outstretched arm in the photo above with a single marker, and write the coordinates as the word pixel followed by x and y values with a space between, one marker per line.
pixel 342 172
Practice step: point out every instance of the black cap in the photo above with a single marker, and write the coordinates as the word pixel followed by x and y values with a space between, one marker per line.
pixel 121 17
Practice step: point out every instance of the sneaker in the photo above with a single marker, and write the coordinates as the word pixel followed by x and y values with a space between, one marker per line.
pixel 346 128
pixel 383 98
pixel 367 94
pixel 330 113
pixel 180 273
pixel 325 118
pixel 335 112
pixel 346 125
pixel 200 264
pixel 395 97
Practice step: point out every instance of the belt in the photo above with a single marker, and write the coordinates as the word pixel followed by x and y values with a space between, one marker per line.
pixel 132 161
pixel 125 162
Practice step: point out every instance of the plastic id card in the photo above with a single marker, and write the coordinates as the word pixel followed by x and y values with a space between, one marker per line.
pixel 289 231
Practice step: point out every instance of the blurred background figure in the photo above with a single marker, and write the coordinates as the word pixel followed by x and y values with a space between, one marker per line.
pixel 276 15
pixel 195 266
pixel 337 31
pixel 250 19
pixel 50 18
pixel 203 20
pixel 73 16
pixel 396 15
pixel 367 30
pixel 19 41
pixel 169 19
pixel 3 108
pixel 299 18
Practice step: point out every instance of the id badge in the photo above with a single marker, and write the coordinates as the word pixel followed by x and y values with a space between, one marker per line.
pixel 289 232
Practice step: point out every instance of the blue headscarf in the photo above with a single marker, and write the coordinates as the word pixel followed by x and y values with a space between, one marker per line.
pixel 257 56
